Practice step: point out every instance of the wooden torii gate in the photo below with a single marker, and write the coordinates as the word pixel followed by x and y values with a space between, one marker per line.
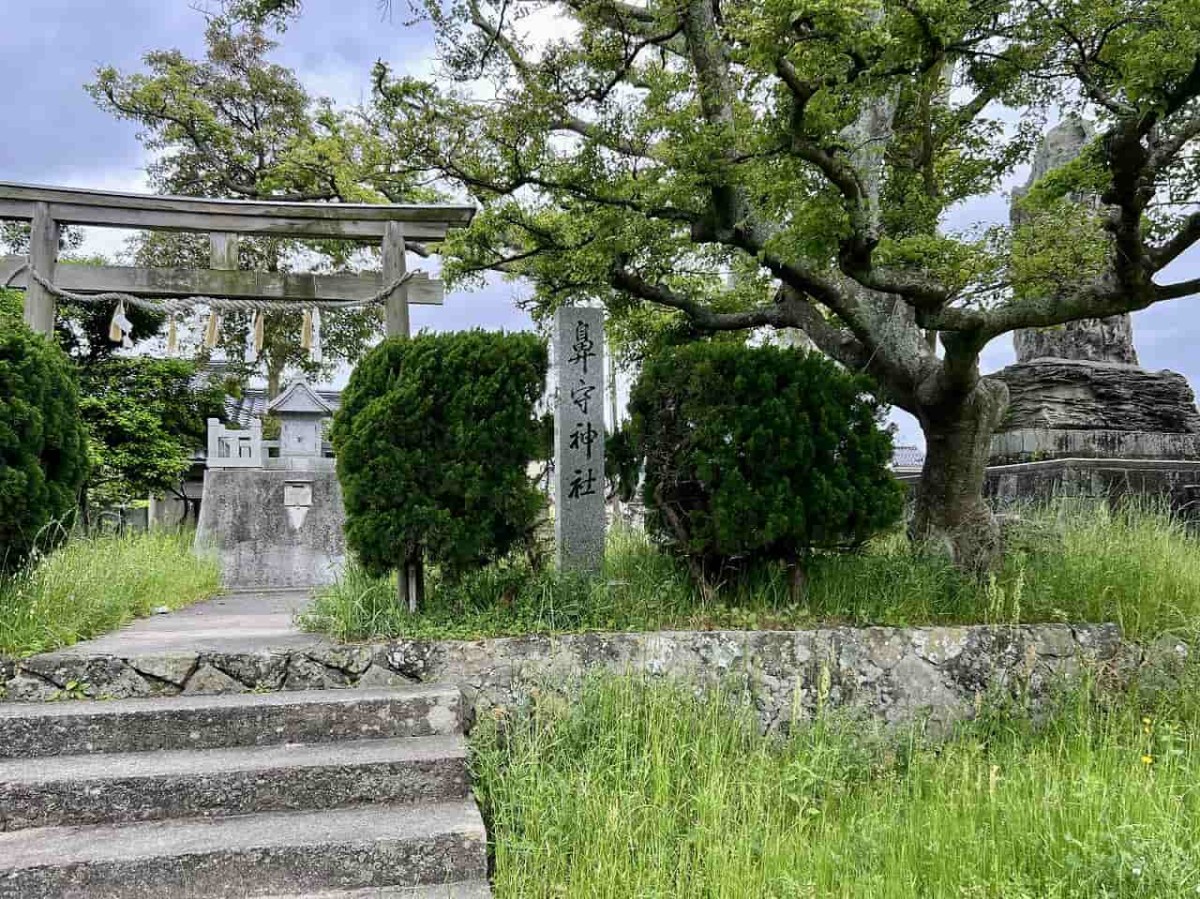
pixel 386 225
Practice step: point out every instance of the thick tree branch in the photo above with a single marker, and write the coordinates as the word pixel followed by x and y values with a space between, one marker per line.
pixel 1185 238
pixel 836 342
pixel 566 120
pixel 598 135
pixel 632 21
pixel 1178 290
pixel 1101 297
pixel 855 256
pixel 715 89
pixel 1164 151
pixel 623 278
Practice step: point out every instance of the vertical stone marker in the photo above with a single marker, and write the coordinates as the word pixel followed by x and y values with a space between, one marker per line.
pixel 579 512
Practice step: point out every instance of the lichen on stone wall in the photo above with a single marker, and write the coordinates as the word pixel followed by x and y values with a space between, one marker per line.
pixel 893 674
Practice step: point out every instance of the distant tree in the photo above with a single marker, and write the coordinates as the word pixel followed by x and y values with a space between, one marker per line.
pixel 757 453
pixel 43 448
pixel 145 419
pixel 434 438
pixel 236 125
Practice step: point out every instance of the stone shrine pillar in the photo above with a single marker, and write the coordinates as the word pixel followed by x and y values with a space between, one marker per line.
pixel 579 508
pixel 274 521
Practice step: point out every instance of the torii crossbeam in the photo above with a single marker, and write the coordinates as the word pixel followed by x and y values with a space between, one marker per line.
pixel 389 225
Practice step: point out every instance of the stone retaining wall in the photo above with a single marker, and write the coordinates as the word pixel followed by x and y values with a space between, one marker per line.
pixel 891 673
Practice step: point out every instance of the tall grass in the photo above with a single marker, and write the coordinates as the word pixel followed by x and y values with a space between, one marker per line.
pixel 640 790
pixel 1137 566
pixel 95 584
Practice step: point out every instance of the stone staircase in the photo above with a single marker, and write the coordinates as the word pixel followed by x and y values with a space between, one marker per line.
pixel 356 793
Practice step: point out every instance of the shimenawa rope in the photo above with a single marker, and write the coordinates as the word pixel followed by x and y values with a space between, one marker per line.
pixel 120 327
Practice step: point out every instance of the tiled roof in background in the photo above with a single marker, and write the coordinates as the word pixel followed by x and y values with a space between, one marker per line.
pixel 904 456
pixel 253 402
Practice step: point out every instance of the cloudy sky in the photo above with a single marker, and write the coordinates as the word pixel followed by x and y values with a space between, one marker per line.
pixel 53 133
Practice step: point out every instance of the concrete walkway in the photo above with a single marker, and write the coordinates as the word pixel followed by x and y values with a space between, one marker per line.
pixel 234 622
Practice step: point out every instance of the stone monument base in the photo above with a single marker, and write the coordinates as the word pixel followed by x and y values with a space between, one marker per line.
pixel 1174 481
pixel 274 528
pixel 1042 444
pixel 1082 395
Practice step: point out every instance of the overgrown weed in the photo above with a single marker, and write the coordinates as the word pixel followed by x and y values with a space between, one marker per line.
pixel 645 789
pixel 1137 566
pixel 91 585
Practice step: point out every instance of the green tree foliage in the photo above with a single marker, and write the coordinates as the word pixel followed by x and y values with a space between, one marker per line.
pixel 433 441
pixel 43 447
pixel 11 307
pixel 234 124
pixel 145 418
pixel 753 453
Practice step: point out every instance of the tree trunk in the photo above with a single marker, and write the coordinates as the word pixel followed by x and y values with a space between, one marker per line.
pixel 410 581
pixel 418 578
pixel 403 590
pixel 274 379
pixel 798 578
pixel 951 514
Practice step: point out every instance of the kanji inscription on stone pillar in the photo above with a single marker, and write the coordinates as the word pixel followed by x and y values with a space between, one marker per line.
pixel 579 439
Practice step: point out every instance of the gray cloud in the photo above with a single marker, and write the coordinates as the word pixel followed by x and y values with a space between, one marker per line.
pixel 48 51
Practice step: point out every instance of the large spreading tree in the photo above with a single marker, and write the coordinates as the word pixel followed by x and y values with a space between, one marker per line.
pixel 812 149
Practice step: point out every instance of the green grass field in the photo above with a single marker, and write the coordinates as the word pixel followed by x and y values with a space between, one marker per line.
pixel 1139 568
pixel 96 584
pixel 648 791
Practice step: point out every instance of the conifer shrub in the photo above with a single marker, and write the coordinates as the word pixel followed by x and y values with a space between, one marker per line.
pixel 434 439
pixel 43 444
pixel 755 453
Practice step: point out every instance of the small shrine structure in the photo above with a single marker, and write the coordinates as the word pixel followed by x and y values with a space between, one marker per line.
pixel 302 415
pixel 274 520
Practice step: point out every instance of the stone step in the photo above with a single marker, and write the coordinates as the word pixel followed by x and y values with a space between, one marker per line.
pixel 140 786
pixel 32 730
pixel 280 853
pixel 475 889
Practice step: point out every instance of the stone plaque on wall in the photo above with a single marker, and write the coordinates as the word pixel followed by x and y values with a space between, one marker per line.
pixel 297 493
pixel 579 510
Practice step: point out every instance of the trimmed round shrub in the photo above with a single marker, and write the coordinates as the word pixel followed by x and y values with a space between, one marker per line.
pixel 753 453
pixel 43 444
pixel 433 440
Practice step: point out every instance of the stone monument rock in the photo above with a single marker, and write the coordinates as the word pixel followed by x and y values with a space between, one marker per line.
pixel 1076 390
pixel 1083 417
pixel 274 521
pixel 1090 339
